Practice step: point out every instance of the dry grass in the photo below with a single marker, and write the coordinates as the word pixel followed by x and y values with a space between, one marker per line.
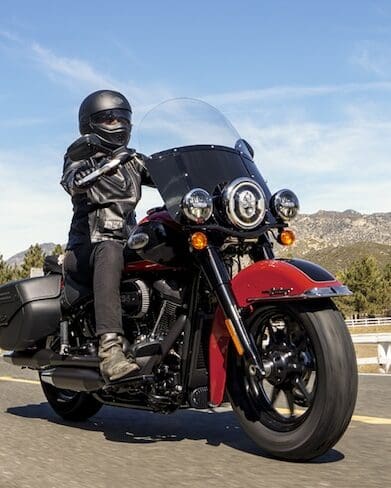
pixel 370 330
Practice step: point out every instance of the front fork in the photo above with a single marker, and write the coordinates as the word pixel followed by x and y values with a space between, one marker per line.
pixel 216 273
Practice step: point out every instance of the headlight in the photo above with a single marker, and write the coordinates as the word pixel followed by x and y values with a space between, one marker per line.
pixel 244 203
pixel 197 205
pixel 285 204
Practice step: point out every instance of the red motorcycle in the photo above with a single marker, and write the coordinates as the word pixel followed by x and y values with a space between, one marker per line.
pixel 209 312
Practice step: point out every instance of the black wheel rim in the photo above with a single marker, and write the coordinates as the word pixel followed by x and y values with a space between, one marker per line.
pixel 284 399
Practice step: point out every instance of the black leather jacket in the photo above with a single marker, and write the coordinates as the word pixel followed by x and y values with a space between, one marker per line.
pixel 106 210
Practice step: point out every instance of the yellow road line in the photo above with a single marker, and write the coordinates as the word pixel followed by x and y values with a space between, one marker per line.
pixel 371 420
pixel 357 418
pixel 19 380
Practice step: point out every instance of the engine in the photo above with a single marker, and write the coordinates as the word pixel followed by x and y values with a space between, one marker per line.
pixel 149 309
pixel 135 298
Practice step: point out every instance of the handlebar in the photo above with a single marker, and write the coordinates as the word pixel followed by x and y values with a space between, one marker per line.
pixel 108 167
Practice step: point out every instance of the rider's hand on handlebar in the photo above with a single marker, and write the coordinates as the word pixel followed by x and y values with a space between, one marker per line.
pixel 86 169
pixel 124 153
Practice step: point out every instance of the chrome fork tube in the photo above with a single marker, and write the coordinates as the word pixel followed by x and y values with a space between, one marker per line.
pixel 216 273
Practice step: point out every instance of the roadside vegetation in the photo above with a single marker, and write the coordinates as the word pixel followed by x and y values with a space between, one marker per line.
pixel 33 258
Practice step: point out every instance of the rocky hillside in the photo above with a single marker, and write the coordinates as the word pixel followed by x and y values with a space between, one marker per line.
pixel 335 239
pixel 334 229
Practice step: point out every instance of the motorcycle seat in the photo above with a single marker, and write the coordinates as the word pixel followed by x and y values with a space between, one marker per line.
pixel 74 293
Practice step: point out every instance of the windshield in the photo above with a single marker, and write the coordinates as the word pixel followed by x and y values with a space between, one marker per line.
pixel 184 122
pixel 190 145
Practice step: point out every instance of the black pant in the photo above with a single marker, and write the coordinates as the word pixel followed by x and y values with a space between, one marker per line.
pixel 100 265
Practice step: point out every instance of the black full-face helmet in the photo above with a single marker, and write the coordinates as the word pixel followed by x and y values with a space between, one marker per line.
pixel 108 114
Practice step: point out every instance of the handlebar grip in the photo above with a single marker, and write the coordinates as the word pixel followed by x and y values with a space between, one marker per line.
pixel 106 168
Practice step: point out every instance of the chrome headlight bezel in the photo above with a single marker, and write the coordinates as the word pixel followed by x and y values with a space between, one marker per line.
pixel 285 204
pixel 197 205
pixel 244 191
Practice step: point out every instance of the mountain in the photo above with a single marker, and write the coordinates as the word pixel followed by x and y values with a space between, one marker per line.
pixel 17 259
pixel 335 239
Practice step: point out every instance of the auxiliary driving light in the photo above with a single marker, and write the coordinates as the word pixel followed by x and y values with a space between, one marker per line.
pixel 285 204
pixel 197 205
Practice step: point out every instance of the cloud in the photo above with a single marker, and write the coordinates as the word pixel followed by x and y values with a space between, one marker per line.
pixel 373 57
pixel 71 68
pixel 22 122
pixel 330 166
pixel 278 93
pixel 10 36
pixel 76 73
pixel 71 71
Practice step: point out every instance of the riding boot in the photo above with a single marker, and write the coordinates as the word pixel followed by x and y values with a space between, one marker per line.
pixel 114 365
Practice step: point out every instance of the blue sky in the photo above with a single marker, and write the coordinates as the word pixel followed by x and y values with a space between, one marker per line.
pixel 307 83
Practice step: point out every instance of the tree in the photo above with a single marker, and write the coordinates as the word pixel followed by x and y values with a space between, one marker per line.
pixel 367 281
pixel 33 258
pixel 58 250
pixel 387 280
pixel 6 271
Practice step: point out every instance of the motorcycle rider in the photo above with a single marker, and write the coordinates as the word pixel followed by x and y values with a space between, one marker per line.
pixel 102 212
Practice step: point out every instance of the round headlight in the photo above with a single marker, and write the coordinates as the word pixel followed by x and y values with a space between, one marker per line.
pixel 244 203
pixel 197 205
pixel 285 204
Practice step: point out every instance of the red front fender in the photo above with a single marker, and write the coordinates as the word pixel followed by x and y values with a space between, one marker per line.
pixel 273 279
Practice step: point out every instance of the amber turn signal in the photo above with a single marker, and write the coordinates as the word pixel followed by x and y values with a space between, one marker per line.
pixel 286 237
pixel 199 240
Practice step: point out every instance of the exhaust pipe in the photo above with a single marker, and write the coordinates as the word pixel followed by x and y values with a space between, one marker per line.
pixel 45 357
pixel 73 379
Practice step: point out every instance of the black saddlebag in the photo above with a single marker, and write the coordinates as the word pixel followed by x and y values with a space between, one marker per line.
pixel 29 311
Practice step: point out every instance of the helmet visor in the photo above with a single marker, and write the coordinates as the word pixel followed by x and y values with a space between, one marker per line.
pixel 112 119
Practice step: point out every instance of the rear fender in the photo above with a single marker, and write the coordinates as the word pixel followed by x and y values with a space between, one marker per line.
pixel 269 280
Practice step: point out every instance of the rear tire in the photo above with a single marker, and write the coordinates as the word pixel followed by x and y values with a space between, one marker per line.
pixel 311 341
pixel 71 405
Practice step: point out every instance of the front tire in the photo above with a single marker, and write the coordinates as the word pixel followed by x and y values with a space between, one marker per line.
pixel 71 405
pixel 306 402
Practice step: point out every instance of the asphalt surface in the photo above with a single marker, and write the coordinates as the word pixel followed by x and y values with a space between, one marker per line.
pixel 126 448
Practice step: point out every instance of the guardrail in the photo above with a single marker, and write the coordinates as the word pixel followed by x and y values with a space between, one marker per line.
pixel 383 341
pixel 368 322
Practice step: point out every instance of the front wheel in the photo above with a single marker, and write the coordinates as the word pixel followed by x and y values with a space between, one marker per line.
pixel 71 405
pixel 305 403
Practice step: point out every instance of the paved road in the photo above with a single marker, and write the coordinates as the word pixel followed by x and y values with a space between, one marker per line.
pixel 124 448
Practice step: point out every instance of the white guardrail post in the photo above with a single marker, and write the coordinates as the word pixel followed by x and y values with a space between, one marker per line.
pixel 383 341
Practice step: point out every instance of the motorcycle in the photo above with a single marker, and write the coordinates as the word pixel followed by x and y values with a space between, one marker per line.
pixel 209 313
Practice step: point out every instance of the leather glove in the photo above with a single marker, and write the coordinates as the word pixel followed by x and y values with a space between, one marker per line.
pixel 121 151
pixel 85 169
pixel 124 153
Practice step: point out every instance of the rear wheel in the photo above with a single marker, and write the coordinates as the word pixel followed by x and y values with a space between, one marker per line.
pixel 71 405
pixel 305 403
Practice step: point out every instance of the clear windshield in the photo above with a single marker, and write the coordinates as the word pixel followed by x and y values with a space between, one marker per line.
pixel 190 145
pixel 186 122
